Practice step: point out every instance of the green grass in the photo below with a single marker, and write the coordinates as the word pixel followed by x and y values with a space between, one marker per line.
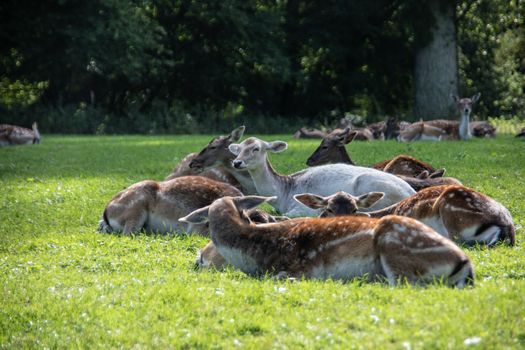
pixel 63 285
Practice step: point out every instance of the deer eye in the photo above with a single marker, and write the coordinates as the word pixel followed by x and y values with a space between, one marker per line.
pixel 213 147
pixel 324 147
pixel 256 149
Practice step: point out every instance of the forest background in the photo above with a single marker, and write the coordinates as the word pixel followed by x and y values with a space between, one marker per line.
pixel 167 66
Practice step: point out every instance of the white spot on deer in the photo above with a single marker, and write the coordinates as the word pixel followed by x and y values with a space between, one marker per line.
pixel 451 195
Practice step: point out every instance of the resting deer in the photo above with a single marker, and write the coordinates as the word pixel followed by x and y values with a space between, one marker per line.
pixel 415 172
pixel 451 129
pixel 422 131
pixel 340 203
pixel 17 135
pixel 459 213
pixel 157 206
pixel 217 174
pixel 456 212
pixel 216 155
pixel 339 248
pixel 323 180
pixel 209 256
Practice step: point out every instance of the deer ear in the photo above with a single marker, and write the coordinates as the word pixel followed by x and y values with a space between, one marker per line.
pixel 249 202
pixel 476 97
pixel 236 134
pixel 235 148
pixel 346 136
pixel 311 200
pixel 423 175
pixel 277 146
pixel 438 173
pixel 454 97
pixel 368 199
pixel 199 216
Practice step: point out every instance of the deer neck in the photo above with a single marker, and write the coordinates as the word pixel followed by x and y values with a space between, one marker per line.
pixel 242 177
pixel 268 182
pixel 225 224
pixel 343 156
pixel 464 127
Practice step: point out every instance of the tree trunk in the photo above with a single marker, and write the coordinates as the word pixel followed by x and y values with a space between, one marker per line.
pixel 436 67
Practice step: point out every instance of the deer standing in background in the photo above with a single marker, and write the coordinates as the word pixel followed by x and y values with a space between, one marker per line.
pixel 322 180
pixel 11 135
pixel 339 248
pixel 157 206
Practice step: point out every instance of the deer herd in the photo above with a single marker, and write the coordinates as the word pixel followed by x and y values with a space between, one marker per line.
pixel 398 220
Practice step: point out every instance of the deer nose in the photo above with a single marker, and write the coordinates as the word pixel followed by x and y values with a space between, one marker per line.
pixel 237 164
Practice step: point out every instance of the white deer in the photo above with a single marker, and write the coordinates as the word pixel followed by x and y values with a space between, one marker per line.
pixel 322 180
pixel 157 206
pixel 394 247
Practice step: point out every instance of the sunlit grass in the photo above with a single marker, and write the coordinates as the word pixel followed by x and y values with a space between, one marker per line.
pixel 63 285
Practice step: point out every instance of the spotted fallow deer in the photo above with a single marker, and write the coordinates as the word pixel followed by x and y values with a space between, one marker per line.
pixel 340 203
pixel 322 180
pixel 416 173
pixel 16 135
pixel 459 213
pixel 216 155
pixel 157 206
pixel 343 248
pixel 443 129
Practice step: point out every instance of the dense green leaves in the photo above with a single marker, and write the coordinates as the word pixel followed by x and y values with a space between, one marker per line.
pixel 178 66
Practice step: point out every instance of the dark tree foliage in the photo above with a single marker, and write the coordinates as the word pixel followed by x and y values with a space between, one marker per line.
pixel 204 65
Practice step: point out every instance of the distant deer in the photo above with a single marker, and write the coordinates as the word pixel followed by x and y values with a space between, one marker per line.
pixel 521 133
pixel 339 248
pixel 157 206
pixel 417 173
pixel 16 135
pixel 482 129
pixel 216 155
pixel 322 180
pixel 455 212
pixel 450 129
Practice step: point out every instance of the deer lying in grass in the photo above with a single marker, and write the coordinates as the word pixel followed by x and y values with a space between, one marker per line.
pixel 482 129
pixel 209 257
pixel 455 212
pixel 339 248
pixel 415 172
pixel 16 135
pixel 322 180
pixel 216 155
pixel 443 129
pixel 217 174
pixel 157 206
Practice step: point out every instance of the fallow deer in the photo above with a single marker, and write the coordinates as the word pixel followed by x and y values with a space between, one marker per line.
pixel 322 180
pixel 455 212
pixel 422 131
pixel 17 135
pixel 459 213
pixel 217 174
pixel 443 129
pixel 216 155
pixel 304 133
pixel 343 248
pixel 482 129
pixel 157 206
pixel 416 173
pixel 209 257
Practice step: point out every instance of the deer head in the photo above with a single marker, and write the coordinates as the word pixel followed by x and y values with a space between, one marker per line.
pixel 216 152
pixel 340 203
pixel 252 152
pixel 332 148
pixel 465 105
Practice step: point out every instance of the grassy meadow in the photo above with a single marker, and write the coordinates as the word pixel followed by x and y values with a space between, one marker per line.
pixel 64 285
